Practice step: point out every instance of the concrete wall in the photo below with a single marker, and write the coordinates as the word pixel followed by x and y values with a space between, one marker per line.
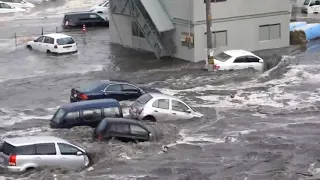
pixel 243 34
pixel 183 52
pixel 181 9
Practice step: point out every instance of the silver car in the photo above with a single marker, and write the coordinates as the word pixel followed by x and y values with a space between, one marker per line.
pixel 156 106
pixel 25 153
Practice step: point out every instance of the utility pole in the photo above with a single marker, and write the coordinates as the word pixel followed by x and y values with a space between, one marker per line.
pixel 209 36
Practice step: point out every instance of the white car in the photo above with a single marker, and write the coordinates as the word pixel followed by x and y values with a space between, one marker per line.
pixel 6 8
pixel 237 59
pixel 55 43
pixel 102 8
pixel 19 3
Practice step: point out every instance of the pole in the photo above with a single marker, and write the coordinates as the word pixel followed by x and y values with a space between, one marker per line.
pixel 209 35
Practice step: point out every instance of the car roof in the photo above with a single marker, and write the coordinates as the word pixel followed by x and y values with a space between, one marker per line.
pixel 90 104
pixel 160 95
pixel 124 120
pixel 237 53
pixel 57 35
pixel 80 12
pixel 28 140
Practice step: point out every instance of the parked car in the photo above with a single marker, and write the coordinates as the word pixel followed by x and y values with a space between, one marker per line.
pixel 311 6
pixel 19 3
pixel 85 113
pixel 161 107
pixel 126 130
pixel 89 19
pixel 102 9
pixel 237 59
pixel 115 89
pixel 25 153
pixel 6 8
pixel 55 43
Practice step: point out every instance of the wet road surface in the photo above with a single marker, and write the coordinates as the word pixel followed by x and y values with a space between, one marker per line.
pixel 268 130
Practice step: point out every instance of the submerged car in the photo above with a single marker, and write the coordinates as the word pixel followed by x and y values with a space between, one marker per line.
pixel 19 3
pixel 89 19
pixel 237 59
pixel 6 8
pixel 25 153
pixel 161 107
pixel 85 113
pixel 114 89
pixel 126 130
pixel 55 43
pixel 102 8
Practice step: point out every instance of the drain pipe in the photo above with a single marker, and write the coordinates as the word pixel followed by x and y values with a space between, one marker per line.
pixel 190 19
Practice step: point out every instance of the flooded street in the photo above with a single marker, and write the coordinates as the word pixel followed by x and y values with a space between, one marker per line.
pixel 268 130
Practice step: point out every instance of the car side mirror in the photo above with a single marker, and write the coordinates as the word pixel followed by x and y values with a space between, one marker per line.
pixel 260 61
pixel 188 111
pixel 79 153
pixel 34 40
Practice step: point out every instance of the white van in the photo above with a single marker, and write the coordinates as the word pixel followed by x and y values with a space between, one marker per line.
pixel 311 6
pixel 19 3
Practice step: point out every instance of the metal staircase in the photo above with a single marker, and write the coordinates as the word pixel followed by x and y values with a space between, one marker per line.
pixel 148 29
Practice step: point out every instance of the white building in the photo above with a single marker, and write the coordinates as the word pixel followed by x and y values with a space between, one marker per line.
pixel 178 27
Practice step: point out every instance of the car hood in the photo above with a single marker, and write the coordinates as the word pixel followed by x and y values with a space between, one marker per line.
pixel 197 114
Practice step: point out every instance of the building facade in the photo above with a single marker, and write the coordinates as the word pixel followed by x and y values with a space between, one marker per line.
pixel 178 27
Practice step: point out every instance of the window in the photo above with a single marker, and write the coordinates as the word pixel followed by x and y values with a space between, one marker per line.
pixel 136 130
pixel 111 112
pixel 48 40
pixel 144 99
pixel 40 39
pixel 223 57
pixel 102 125
pixel 25 150
pixel 252 59
pixel 65 41
pixel 136 30
pixel 119 128
pixel 107 4
pixel 219 39
pixel 269 32
pixel 92 115
pixel 213 1
pixel 66 149
pixel 5 6
pixel 126 87
pixel 72 116
pixel 46 149
pixel 240 60
pixel 58 116
pixel 161 103
pixel 179 106
pixel 115 87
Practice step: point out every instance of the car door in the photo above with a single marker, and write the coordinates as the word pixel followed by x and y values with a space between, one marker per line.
pixel 240 63
pixel 72 119
pixel 119 131
pixel 161 109
pixel 69 158
pixel 91 117
pixel 47 44
pixel 179 110
pixel 46 155
pixel 139 133
pixel 114 91
pixel 38 43
pixel 130 92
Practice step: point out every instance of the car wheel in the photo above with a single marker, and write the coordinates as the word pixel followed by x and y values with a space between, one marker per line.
pixel 149 118
pixel 29 47
pixel 48 52
pixel 86 161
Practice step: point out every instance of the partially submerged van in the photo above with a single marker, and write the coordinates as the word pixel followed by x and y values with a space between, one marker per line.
pixel 311 6
pixel 85 113
pixel 19 3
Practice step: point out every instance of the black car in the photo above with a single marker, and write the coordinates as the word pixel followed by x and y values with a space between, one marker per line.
pixel 126 130
pixel 114 89
pixel 89 19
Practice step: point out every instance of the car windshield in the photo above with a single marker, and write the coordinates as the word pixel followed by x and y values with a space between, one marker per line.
pixel 144 99
pixel 90 87
pixel 223 57
pixel 306 2
pixel 65 41
pixel 102 125
pixel 58 116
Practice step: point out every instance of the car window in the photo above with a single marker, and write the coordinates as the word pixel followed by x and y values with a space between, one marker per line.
pixel 120 128
pixel 72 116
pixel 137 130
pixel 66 149
pixel 144 99
pixel 25 150
pixel 5 6
pixel 46 149
pixel 65 41
pixel 107 4
pixel 46 39
pixel 102 125
pixel 126 87
pixel 58 116
pixel 240 60
pixel 179 106
pixel 115 87
pixel 252 59
pixel 40 39
pixel 92 115
pixel 84 17
pixel 161 103
pixel 72 18
pixel 111 112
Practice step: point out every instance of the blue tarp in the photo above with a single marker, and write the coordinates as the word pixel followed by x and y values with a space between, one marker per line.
pixel 312 31
pixel 295 25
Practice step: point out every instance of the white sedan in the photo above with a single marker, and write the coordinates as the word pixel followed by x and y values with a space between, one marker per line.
pixel 55 43
pixel 237 59
pixel 6 8
pixel 102 8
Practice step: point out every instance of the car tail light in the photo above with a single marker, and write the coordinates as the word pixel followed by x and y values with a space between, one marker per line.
pixel 216 67
pixel 12 160
pixel 55 46
pixel 83 96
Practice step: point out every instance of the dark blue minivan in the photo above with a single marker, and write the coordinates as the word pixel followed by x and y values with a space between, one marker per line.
pixel 85 113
